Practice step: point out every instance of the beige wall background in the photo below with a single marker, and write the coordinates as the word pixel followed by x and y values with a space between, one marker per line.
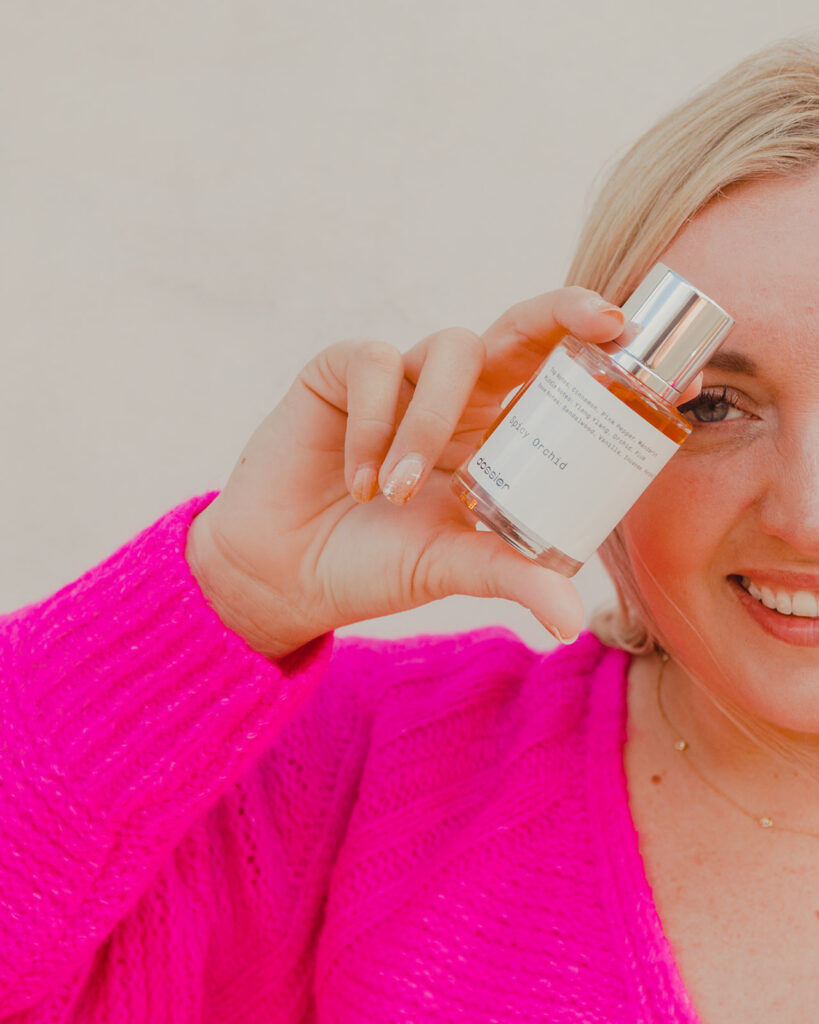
pixel 198 196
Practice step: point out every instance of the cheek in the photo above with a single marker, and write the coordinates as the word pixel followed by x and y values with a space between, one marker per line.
pixel 678 530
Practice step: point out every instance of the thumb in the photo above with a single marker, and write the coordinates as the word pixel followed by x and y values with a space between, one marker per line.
pixel 480 564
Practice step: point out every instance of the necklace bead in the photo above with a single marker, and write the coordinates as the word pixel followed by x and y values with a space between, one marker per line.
pixel 764 821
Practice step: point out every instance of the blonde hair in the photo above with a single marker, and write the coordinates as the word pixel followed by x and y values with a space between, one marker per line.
pixel 758 120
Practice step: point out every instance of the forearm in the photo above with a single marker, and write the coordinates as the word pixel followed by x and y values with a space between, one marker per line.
pixel 128 710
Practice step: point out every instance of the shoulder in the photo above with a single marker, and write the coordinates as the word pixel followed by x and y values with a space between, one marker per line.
pixel 437 674
pixel 438 663
pixel 436 648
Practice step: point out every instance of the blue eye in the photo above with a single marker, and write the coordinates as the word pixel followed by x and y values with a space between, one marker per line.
pixel 713 405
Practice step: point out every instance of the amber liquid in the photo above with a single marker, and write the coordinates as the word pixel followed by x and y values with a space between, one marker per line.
pixel 640 399
pixel 650 406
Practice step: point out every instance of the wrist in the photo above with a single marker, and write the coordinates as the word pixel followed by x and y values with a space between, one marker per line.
pixel 228 592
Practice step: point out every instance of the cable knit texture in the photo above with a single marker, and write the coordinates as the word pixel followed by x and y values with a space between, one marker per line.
pixel 433 829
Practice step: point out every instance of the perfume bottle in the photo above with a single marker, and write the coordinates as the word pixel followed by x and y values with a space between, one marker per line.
pixel 584 437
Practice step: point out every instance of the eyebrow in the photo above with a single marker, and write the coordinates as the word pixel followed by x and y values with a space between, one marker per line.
pixel 732 362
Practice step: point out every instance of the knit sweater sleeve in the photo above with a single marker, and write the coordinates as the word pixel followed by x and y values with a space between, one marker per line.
pixel 128 710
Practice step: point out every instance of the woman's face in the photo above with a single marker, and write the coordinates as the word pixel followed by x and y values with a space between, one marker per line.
pixel 741 498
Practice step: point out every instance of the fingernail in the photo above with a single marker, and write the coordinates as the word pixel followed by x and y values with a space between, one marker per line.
pixel 403 480
pixel 365 482
pixel 559 636
pixel 617 315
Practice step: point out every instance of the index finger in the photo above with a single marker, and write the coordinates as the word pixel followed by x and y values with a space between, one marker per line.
pixel 521 338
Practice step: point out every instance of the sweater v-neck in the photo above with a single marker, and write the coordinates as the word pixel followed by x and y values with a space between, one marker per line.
pixel 658 990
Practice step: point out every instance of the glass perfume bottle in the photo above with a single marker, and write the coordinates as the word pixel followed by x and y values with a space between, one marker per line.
pixel 585 436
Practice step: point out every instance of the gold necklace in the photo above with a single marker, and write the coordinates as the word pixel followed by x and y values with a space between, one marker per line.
pixel 681 746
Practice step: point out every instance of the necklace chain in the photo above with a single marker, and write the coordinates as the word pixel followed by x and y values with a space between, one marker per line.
pixel 681 746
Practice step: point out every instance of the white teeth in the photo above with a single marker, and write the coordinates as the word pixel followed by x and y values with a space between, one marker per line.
pixel 805 603
pixel 802 603
pixel 768 597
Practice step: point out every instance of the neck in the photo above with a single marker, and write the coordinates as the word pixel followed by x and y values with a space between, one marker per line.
pixel 772 772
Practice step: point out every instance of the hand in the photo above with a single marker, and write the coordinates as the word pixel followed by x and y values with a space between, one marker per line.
pixel 299 541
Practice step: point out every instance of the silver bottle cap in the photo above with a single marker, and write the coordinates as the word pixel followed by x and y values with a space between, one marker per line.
pixel 672 329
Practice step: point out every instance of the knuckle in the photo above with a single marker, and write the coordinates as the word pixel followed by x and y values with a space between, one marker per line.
pixel 322 369
pixel 575 294
pixel 510 319
pixel 467 342
pixel 461 346
pixel 429 422
pixel 495 575
pixel 379 353
pixel 455 336
pixel 364 429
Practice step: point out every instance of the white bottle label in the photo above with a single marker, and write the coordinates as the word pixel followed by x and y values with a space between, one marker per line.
pixel 570 459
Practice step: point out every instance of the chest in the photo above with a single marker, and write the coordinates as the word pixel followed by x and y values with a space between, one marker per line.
pixel 496 926
pixel 739 909
pixel 509 911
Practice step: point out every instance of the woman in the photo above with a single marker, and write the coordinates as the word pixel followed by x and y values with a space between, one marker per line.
pixel 213 812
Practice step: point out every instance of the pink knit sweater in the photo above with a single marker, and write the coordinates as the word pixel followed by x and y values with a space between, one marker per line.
pixel 434 829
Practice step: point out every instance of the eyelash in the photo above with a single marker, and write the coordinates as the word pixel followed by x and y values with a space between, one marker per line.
pixel 711 398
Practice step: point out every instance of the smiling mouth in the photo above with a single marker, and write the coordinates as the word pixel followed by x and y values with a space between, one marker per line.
pixel 801 604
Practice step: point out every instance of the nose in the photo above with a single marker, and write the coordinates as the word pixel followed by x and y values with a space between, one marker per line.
pixel 789 508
